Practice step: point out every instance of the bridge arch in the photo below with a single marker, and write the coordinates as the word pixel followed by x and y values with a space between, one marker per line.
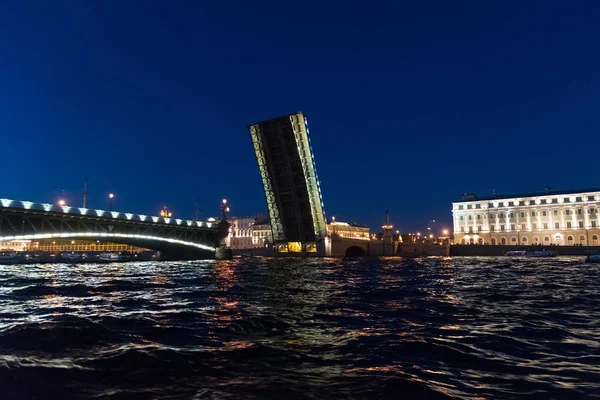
pixel 355 251
pixel 177 249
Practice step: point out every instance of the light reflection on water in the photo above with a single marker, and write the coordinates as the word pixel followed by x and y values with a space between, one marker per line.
pixel 320 328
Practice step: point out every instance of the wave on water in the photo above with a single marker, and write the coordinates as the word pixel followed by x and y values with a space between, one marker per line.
pixel 464 328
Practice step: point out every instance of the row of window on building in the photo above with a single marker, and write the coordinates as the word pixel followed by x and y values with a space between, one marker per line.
pixel 523 214
pixel 536 240
pixel 534 226
pixel 555 200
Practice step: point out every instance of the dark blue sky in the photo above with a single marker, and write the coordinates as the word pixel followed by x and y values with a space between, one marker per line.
pixel 410 104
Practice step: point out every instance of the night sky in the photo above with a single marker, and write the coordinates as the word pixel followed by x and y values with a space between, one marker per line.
pixel 410 104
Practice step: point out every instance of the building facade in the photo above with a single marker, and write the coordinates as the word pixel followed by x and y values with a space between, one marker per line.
pixel 348 230
pixel 261 233
pixel 548 218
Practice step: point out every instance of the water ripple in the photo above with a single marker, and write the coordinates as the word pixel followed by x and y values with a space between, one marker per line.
pixel 302 328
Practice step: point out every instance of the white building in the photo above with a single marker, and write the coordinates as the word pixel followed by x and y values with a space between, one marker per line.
pixel 547 218
pixel 240 232
pixel 348 230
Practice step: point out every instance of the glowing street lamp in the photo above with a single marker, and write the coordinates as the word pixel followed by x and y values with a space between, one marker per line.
pixel 111 196
pixel 224 208
pixel 62 202
pixel 445 232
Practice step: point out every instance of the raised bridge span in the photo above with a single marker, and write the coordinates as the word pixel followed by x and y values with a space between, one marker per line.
pixel 174 238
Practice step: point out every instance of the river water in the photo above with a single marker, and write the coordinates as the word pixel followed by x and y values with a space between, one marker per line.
pixel 492 328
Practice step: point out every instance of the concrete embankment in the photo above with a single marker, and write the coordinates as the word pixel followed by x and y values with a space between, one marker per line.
pixel 499 250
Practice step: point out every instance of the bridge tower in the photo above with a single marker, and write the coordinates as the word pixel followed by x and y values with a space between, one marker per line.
pixel 389 247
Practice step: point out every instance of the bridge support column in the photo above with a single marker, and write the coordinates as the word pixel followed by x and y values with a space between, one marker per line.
pixel 224 253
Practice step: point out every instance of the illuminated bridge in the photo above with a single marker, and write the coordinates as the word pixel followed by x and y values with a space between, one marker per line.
pixel 174 238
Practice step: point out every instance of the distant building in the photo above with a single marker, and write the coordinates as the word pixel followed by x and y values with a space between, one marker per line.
pixel 240 235
pixel 546 218
pixel 15 245
pixel 348 230
pixel 261 233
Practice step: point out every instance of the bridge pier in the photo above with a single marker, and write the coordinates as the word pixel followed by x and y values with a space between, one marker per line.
pixel 224 253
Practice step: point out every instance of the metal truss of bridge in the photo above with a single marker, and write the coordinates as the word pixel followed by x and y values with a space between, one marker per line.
pixel 174 238
pixel 292 189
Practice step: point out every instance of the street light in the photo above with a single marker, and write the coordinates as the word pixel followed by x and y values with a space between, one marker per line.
pixel 445 232
pixel 111 196
pixel 333 222
pixel 62 202
pixel 224 208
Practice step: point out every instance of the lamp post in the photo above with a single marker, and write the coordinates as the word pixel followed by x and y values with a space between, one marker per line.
pixel 224 208
pixel 62 202
pixel 111 196
pixel 333 223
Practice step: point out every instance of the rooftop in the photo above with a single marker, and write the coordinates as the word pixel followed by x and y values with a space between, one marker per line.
pixel 467 197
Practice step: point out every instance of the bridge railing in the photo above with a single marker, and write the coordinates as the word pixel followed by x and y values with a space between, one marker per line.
pixel 118 215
